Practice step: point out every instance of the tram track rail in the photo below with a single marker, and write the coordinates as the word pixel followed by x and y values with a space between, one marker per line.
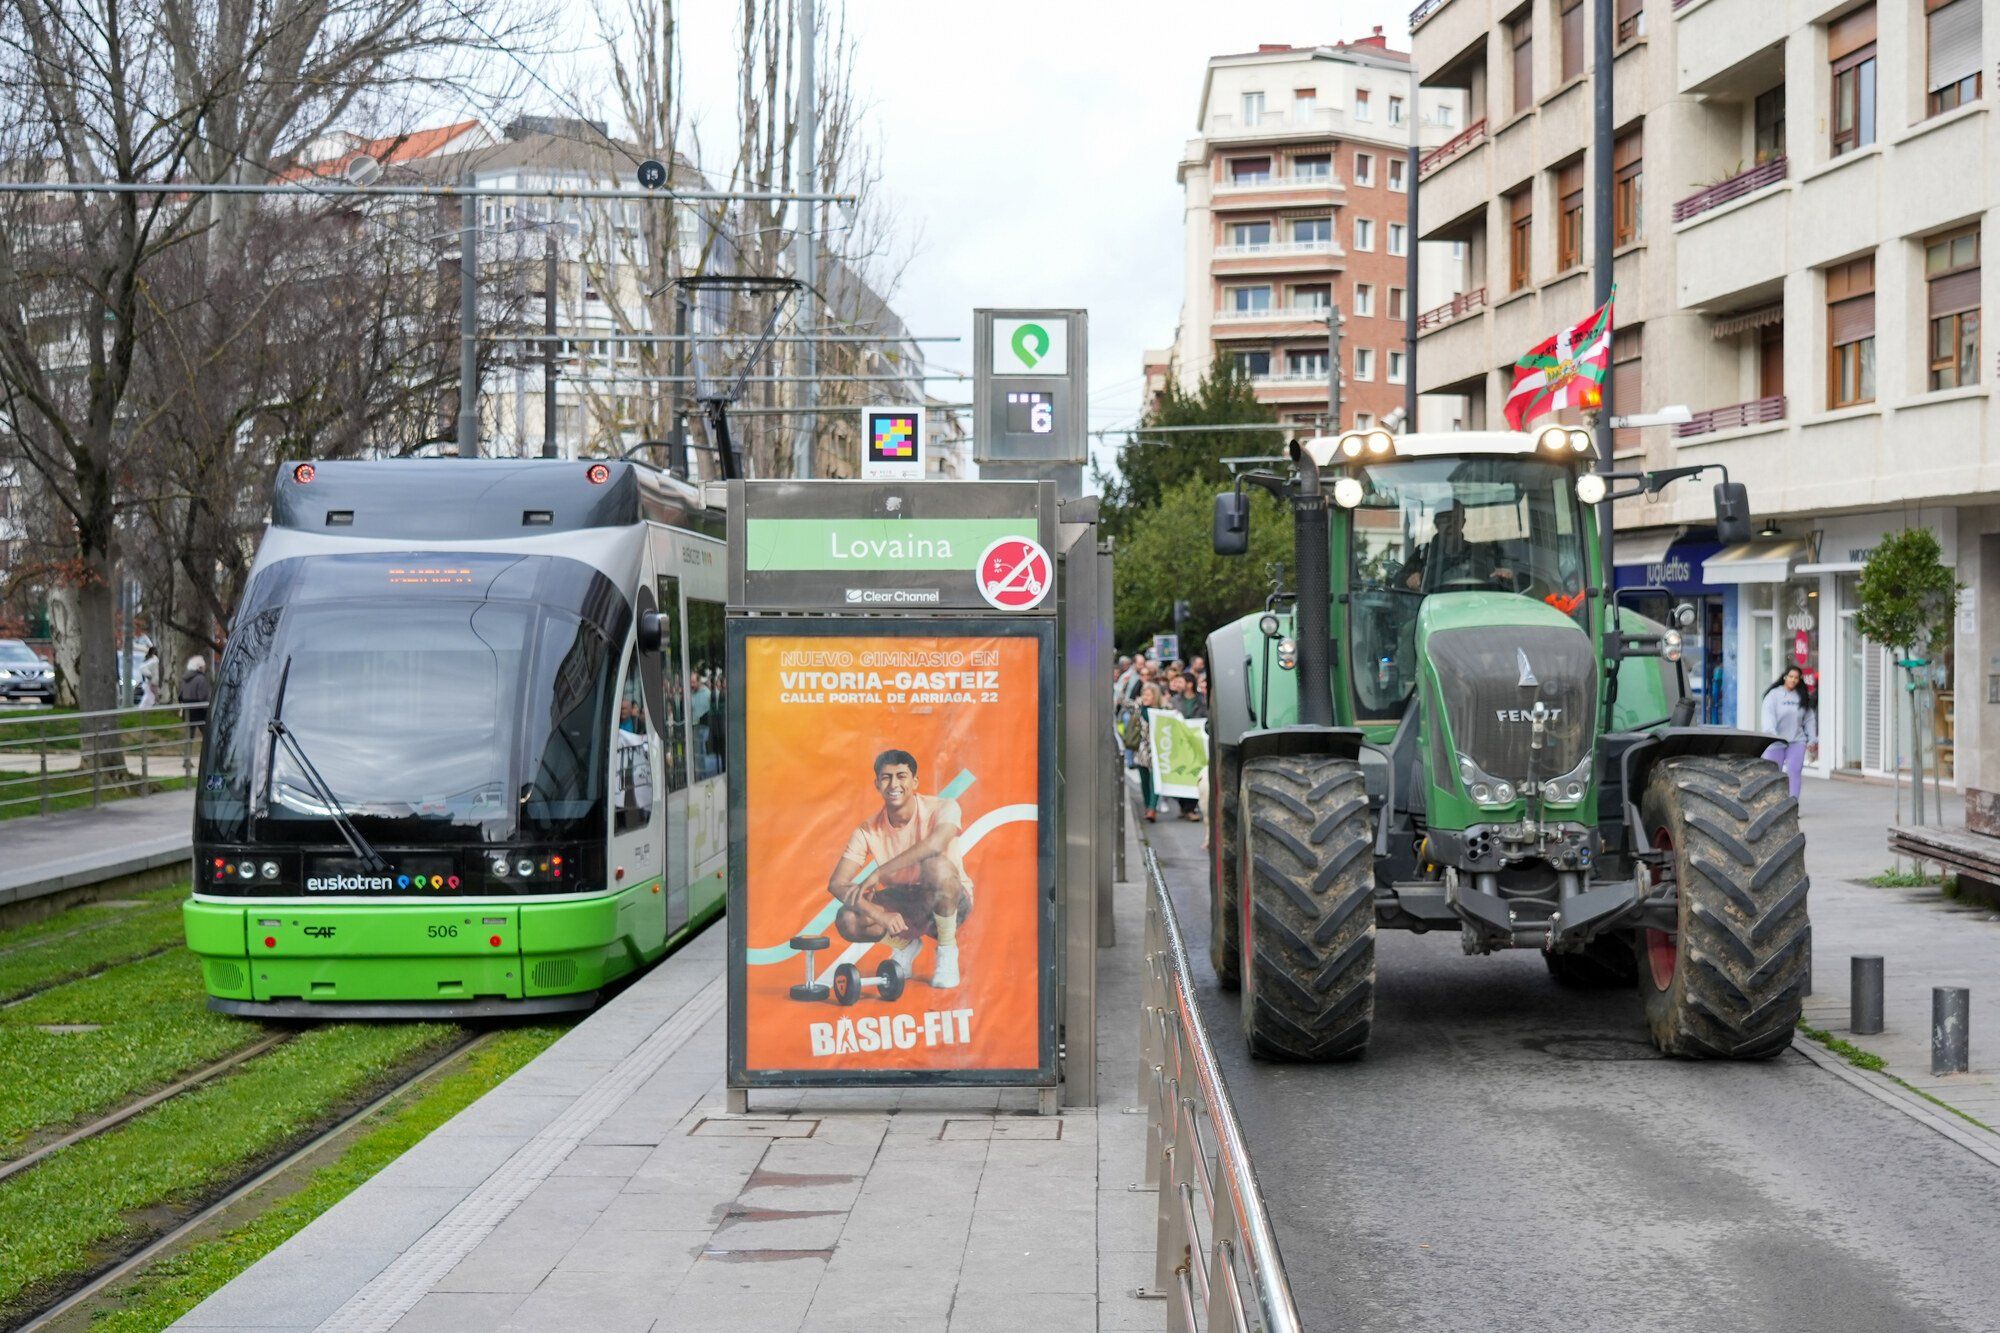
pixel 146 1250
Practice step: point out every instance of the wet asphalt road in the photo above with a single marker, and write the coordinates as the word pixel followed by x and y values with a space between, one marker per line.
pixel 1512 1155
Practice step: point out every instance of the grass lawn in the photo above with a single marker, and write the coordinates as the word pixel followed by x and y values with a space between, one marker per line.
pixel 57 728
pixel 65 1216
pixel 71 791
pixel 84 916
pixel 162 1293
pixel 114 936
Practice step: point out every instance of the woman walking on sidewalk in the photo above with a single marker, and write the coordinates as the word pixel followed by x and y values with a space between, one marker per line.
pixel 1139 735
pixel 1792 715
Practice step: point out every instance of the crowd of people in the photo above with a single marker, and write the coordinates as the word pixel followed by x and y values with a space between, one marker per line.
pixel 1140 683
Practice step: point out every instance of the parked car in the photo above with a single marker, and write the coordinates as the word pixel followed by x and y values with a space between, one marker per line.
pixel 23 674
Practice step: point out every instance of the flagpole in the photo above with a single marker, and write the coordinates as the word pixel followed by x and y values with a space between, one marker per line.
pixel 1605 56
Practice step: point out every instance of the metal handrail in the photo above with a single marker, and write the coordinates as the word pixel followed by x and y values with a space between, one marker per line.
pixel 1205 1276
pixel 123 751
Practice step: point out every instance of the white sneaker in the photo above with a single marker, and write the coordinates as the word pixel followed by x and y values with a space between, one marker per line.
pixel 906 955
pixel 945 975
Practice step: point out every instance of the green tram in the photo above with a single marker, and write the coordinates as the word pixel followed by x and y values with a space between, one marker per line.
pixel 466 753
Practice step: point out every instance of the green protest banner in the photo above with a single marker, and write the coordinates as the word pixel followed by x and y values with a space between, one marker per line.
pixel 1180 752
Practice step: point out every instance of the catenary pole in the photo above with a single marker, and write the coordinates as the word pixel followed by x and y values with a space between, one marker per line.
pixel 807 262
pixel 1604 56
pixel 549 449
pixel 468 327
pixel 1333 369
pixel 1413 270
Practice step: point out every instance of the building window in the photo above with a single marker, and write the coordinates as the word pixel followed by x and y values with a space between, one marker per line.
pixel 1399 239
pixel 1253 365
pixel 1953 38
pixel 1520 237
pixel 1361 111
pixel 1316 167
pixel 1569 215
pixel 1310 231
pixel 1363 420
pixel 1364 299
pixel 1850 332
pixel 1395 303
pixel 1249 233
pixel 1306 365
pixel 1628 347
pixel 1521 38
pixel 1570 28
pixel 1395 111
pixel 1628 194
pixel 1770 125
pixel 1313 296
pixel 1850 47
pixel 1951 271
pixel 1443 116
pixel 1304 100
pixel 1364 168
pixel 1364 363
pixel 1249 170
pixel 1395 367
pixel 1396 168
pixel 1364 234
pixel 1631 20
pixel 1253 108
pixel 1245 300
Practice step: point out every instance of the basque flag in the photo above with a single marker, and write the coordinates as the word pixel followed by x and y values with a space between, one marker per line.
pixel 1566 371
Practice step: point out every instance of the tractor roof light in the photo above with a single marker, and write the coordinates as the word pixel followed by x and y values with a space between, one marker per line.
pixel 1347 492
pixel 1351 445
pixel 1380 441
pixel 1267 624
pixel 1579 440
pixel 1555 439
pixel 1591 488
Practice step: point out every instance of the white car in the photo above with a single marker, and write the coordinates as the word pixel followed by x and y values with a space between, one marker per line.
pixel 23 674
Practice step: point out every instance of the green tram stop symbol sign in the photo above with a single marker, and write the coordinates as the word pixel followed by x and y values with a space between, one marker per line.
pixel 1030 346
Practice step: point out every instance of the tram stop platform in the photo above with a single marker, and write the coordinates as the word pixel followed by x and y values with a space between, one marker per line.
pixel 605 1188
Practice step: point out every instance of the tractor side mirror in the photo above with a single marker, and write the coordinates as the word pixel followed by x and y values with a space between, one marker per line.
pixel 1732 512
pixel 1232 523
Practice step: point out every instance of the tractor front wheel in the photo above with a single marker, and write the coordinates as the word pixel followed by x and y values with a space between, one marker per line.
pixel 1306 869
pixel 1730 981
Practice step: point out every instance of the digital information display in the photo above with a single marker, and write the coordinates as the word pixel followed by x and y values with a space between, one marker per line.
pixel 1030 412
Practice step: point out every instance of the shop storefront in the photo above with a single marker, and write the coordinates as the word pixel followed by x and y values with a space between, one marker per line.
pixel 1674 563
pixel 1796 604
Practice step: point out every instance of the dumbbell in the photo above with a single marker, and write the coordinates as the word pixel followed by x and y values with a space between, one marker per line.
pixel 848 982
pixel 808 945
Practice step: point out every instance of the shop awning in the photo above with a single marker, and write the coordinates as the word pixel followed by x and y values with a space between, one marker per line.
pixel 1831 567
pixel 1755 562
pixel 1643 548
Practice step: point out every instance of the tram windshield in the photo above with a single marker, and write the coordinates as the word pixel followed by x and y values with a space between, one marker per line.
pixel 433 714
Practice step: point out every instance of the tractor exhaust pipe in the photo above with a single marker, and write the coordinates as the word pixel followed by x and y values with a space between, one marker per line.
pixel 1309 520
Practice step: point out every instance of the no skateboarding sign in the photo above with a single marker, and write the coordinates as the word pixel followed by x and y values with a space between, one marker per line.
pixel 1015 574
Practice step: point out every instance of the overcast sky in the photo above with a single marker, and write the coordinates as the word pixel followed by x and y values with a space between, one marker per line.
pixel 1030 147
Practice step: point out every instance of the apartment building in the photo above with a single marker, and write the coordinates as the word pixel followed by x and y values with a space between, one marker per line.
pixel 1805 275
pixel 1297 197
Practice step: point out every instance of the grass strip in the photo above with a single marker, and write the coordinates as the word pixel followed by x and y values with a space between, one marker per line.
pixel 166 1290
pixel 71 791
pixel 133 932
pixel 154 1024
pixel 84 917
pixel 64 1217
pixel 58 728
pixel 1872 1062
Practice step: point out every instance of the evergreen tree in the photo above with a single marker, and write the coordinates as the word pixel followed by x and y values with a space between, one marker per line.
pixel 1150 466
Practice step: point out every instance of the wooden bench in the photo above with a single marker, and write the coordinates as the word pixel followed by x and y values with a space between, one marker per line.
pixel 1975 857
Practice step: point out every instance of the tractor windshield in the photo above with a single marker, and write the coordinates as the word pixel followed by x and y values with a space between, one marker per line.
pixel 1427 526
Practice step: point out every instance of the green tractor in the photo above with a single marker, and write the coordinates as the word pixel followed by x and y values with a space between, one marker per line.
pixel 1454 724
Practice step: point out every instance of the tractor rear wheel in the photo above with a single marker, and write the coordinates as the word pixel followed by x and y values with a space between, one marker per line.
pixel 1225 936
pixel 1305 865
pixel 1606 963
pixel 1730 982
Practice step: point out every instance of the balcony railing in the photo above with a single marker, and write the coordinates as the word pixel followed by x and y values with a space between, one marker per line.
pixel 1277 248
pixel 1279 379
pixel 1753 413
pixel 1314 313
pixel 1470 136
pixel 1320 120
pixel 1734 188
pixel 1462 304
pixel 1424 11
pixel 1273 184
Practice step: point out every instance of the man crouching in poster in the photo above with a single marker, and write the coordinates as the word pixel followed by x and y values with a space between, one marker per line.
pixel 899 878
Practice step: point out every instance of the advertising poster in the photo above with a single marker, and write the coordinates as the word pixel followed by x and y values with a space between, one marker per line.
pixel 1180 752
pixel 894 914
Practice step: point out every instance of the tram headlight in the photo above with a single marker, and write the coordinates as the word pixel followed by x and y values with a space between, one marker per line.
pixel 499 867
pixel 524 867
pixel 269 870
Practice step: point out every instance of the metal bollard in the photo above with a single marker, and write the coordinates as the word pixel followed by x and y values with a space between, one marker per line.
pixel 1864 1002
pixel 1951 1022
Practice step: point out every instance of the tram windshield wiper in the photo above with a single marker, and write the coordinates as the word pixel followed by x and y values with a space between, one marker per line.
pixel 282 734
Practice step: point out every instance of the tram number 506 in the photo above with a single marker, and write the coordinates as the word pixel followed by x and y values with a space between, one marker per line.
pixel 444 932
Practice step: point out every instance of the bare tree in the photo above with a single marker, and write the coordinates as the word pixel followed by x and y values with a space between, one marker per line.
pixel 101 91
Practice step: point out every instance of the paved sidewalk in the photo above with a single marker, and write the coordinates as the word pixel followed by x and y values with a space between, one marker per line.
pixel 45 854
pixel 604 1188
pixel 1925 940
